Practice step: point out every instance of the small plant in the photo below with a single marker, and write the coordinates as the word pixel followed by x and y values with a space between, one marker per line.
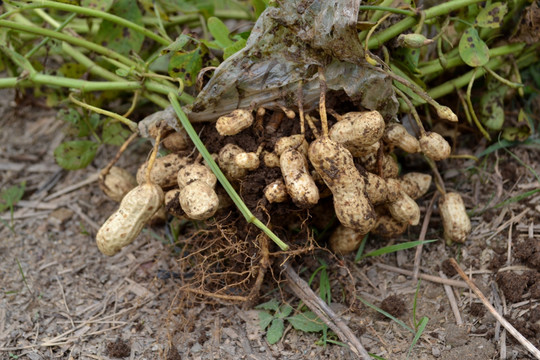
pixel 8 198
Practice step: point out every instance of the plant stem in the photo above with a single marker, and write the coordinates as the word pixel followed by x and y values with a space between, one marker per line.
pixel 83 85
pixel 378 39
pixel 222 179
pixel 46 40
pixel 388 9
pixel 182 19
pixel 122 119
pixel 99 14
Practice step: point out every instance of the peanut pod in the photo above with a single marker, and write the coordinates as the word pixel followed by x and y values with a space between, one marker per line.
pixel 404 209
pixel 345 240
pixel 195 172
pixel 199 200
pixel 456 222
pixel 298 181
pixel 434 146
pixel 165 170
pixel 116 183
pixel 396 134
pixel 235 122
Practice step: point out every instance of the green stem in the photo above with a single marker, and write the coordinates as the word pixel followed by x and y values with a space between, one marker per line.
pixel 388 9
pixel 222 179
pixel 378 39
pixel 375 17
pixel 83 85
pixel 182 19
pixel 471 108
pixel 46 40
pixel 122 119
pixel 99 14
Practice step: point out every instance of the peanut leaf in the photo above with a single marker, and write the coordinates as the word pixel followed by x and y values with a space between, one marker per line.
pixel 220 32
pixel 74 155
pixel 492 16
pixel 186 65
pixel 307 322
pixel 472 49
pixel 275 331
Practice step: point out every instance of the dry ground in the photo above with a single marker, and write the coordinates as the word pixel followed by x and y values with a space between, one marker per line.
pixel 60 298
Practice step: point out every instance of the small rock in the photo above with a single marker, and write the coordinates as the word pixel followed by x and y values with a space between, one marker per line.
pixel 196 348
pixel 60 216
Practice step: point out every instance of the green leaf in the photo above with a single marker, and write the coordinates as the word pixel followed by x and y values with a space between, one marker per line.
pixel 73 155
pixel 234 48
pixel 269 305
pixel 114 133
pixel 492 16
pixel 492 108
pixel 220 32
pixel 72 70
pixel 264 319
pixel 11 196
pixel 177 45
pixel 521 131
pixel 397 247
pixel 102 5
pixel 307 322
pixel 118 38
pixel 421 327
pixel 186 65
pixel 275 331
pixel 284 311
pixel 472 49
pixel 258 6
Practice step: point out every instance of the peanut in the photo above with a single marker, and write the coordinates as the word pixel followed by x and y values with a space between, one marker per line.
pixel 195 172
pixel 456 222
pixel 177 141
pixel 235 122
pixel 396 134
pixel 390 167
pixel 271 159
pixel 358 128
pixel 345 240
pixel 297 142
pixel 116 183
pixel 415 184
pixel 388 227
pixel 276 192
pixel 298 181
pixel 226 160
pixel 199 200
pixel 404 209
pixel 335 165
pixel 362 150
pixel 165 170
pixel 124 225
pixel 434 146
pixel 247 160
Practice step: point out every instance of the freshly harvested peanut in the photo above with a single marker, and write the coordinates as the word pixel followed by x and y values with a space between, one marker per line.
pixel 247 160
pixel 358 128
pixel 177 141
pixel 125 224
pixel 233 123
pixel 297 142
pixel 405 210
pixel 164 171
pixel 434 146
pixel 390 167
pixel 199 200
pixel 345 240
pixel 394 189
pixel 388 227
pixel 396 134
pixel 380 190
pixel 226 160
pixel 195 172
pixel 116 183
pixel 456 222
pixel 415 184
pixel 271 159
pixel 298 181
pixel 362 150
pixel 172 203
pixel 335 165
pixel 276 192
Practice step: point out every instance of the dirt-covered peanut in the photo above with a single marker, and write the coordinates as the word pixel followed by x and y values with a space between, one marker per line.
pixel 125 224
pixel 177 141
pixel 226 161
pixel 276 192
pixel 116 183
pixel 415 184
pixel 198 200
pixel 388 227
pixel 298 181
pixel 335 165
pixel 362 150
pixel 456 222
pixel 247 160
pixel 390 167
pixel 396 134
pixel 358 128
pixel 297 142
pixel 196 172
pixel 164 171
pixel 172 204
pixel 434 146
pixel 271 159
pixel 345 240
pixel 404 209
pixel 376 188
pixel 233 123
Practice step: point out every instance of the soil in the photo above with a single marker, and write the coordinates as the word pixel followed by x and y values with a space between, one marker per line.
pixel 61 298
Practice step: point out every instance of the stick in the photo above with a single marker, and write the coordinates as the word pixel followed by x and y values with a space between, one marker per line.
pixel 452 299
pixel 422 237
pixel 512 330
pixel 427 277
pixel 319 307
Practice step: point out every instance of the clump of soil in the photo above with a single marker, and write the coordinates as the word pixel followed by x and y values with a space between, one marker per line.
pixel 477 310
pixel 512 285
pixel 448 269
pixel 118 349
pixel 173 354
pixel 528 251
pixel 393 305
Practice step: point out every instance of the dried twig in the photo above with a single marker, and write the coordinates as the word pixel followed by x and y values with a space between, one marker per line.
pixel 512 330
pixel 427 277
pixel 422 237
pixel 452 300
pixel 327 315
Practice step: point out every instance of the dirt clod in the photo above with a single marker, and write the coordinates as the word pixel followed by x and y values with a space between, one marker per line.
pixel 448 269
pixel 393 305
pixel 118 348
pixel 512 285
